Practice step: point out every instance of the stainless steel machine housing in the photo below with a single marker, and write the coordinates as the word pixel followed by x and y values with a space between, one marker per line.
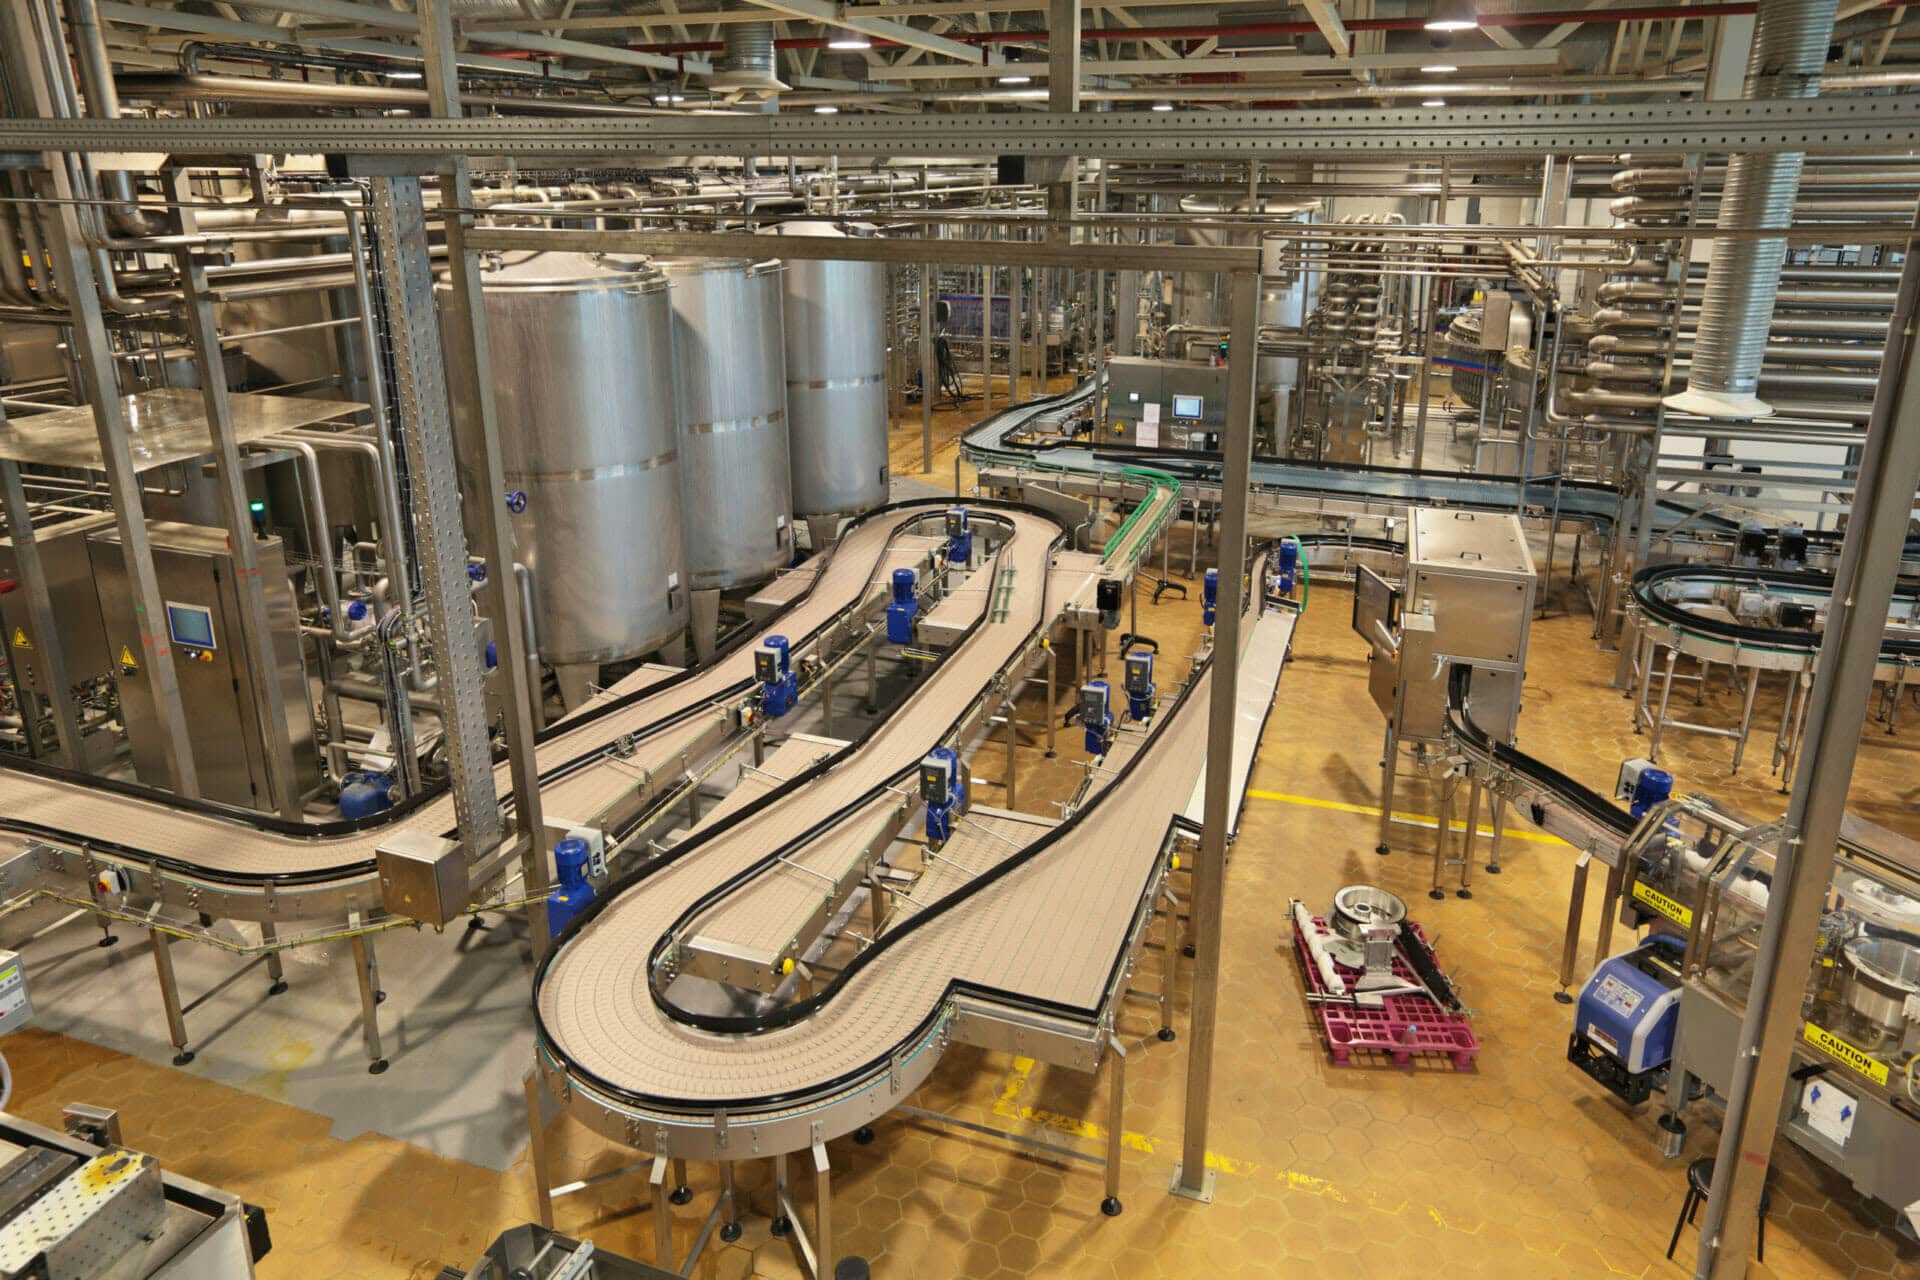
pixel 227 732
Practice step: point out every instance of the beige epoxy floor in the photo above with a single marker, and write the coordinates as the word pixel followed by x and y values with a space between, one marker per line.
pixel 1522 1167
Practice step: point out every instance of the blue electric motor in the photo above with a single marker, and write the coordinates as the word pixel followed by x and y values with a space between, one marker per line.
pixel 959 536
pixel 1139 685
pixel 1096 716
pixel 779 684
pixel 364 794
pixel 1289 565
pixel 944 790
pixel 1649 789
pixel 1209 596
pixel 1624 1022
pixel 905 607
pixel 574 891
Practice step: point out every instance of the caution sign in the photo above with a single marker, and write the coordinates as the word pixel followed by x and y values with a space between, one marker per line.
pixel 128 665
pixel 1648 896
pixel 20 640
pixel 1856 1059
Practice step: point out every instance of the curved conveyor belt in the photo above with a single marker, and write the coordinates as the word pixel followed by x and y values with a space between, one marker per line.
pixel 1597 506
pixel 1660 593
pixel 244 865
pixel 1041 928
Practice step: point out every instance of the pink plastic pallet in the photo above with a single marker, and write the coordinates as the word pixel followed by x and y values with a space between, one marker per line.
pixel 1402 1026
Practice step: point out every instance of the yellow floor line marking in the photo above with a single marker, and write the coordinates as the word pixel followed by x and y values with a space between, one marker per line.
pixel 1010 1108
pixel 1426 820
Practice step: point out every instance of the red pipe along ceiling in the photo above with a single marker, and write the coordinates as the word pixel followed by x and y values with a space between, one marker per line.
pixel 1625 13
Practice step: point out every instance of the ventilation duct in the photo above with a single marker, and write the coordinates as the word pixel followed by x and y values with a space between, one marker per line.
pixel 1789 49
pixel 747 65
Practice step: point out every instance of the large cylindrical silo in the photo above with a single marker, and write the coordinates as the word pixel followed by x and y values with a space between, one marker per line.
pixel 729 360
pixel 582 353
pixel 836 345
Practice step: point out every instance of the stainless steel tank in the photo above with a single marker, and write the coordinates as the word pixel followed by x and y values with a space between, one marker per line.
pixel 836 345
pixel 729 380
pixel 582 352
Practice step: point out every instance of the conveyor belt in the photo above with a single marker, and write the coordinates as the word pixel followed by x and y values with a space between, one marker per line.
pixel 235 848
pixel 1650 594
pixel 597 1011
pixel 1594 505
pixel 1039 926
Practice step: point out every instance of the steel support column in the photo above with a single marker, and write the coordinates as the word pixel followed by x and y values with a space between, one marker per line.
pixel 929 375
pixel 263 673
pixel 1063 94
pixel 1209 873
pixel 50 657
pixel 466 335
pixel 30 53
pixel 1863 586
pixel 406 275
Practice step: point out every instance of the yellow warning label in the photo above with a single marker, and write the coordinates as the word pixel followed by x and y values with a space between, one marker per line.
pixel 1674 911
pixel 20 640
pixel 1858 1060
pixel 127 663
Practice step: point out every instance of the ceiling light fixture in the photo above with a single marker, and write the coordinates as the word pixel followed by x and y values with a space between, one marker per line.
pixel 849 40
pixel 1014 79
pixel 826 109
pixel 1162 106
pixel 405 75
pixel 1439 69
pixel 1434 102
pixel 1452 15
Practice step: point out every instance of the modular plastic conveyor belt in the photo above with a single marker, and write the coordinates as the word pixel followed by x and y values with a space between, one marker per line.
pixel 245 865
pixel 1597 506
pixel 1040 930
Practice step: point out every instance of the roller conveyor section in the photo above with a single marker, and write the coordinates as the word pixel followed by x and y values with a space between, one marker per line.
pixel 1036 919
pixel 179 850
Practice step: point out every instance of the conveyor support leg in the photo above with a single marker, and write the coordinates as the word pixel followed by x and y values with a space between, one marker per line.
pixel 537 1151
pixel 662 1212
pixel 366 971
pixel 1498 808
pixel 822 1211
pixel 1576 908
pixel 1116 1117
pixel 269 935
pixel 1170 970
pixel 1389 763
pixel 170 998
pixel 730 1211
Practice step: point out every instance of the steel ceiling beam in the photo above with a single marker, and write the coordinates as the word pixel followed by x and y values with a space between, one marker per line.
pixel 618 55
pixel 408 23
pixel 834 15
pixel 1888 122
pixel 206 25
pixel 1327 18
pixel 1303 63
